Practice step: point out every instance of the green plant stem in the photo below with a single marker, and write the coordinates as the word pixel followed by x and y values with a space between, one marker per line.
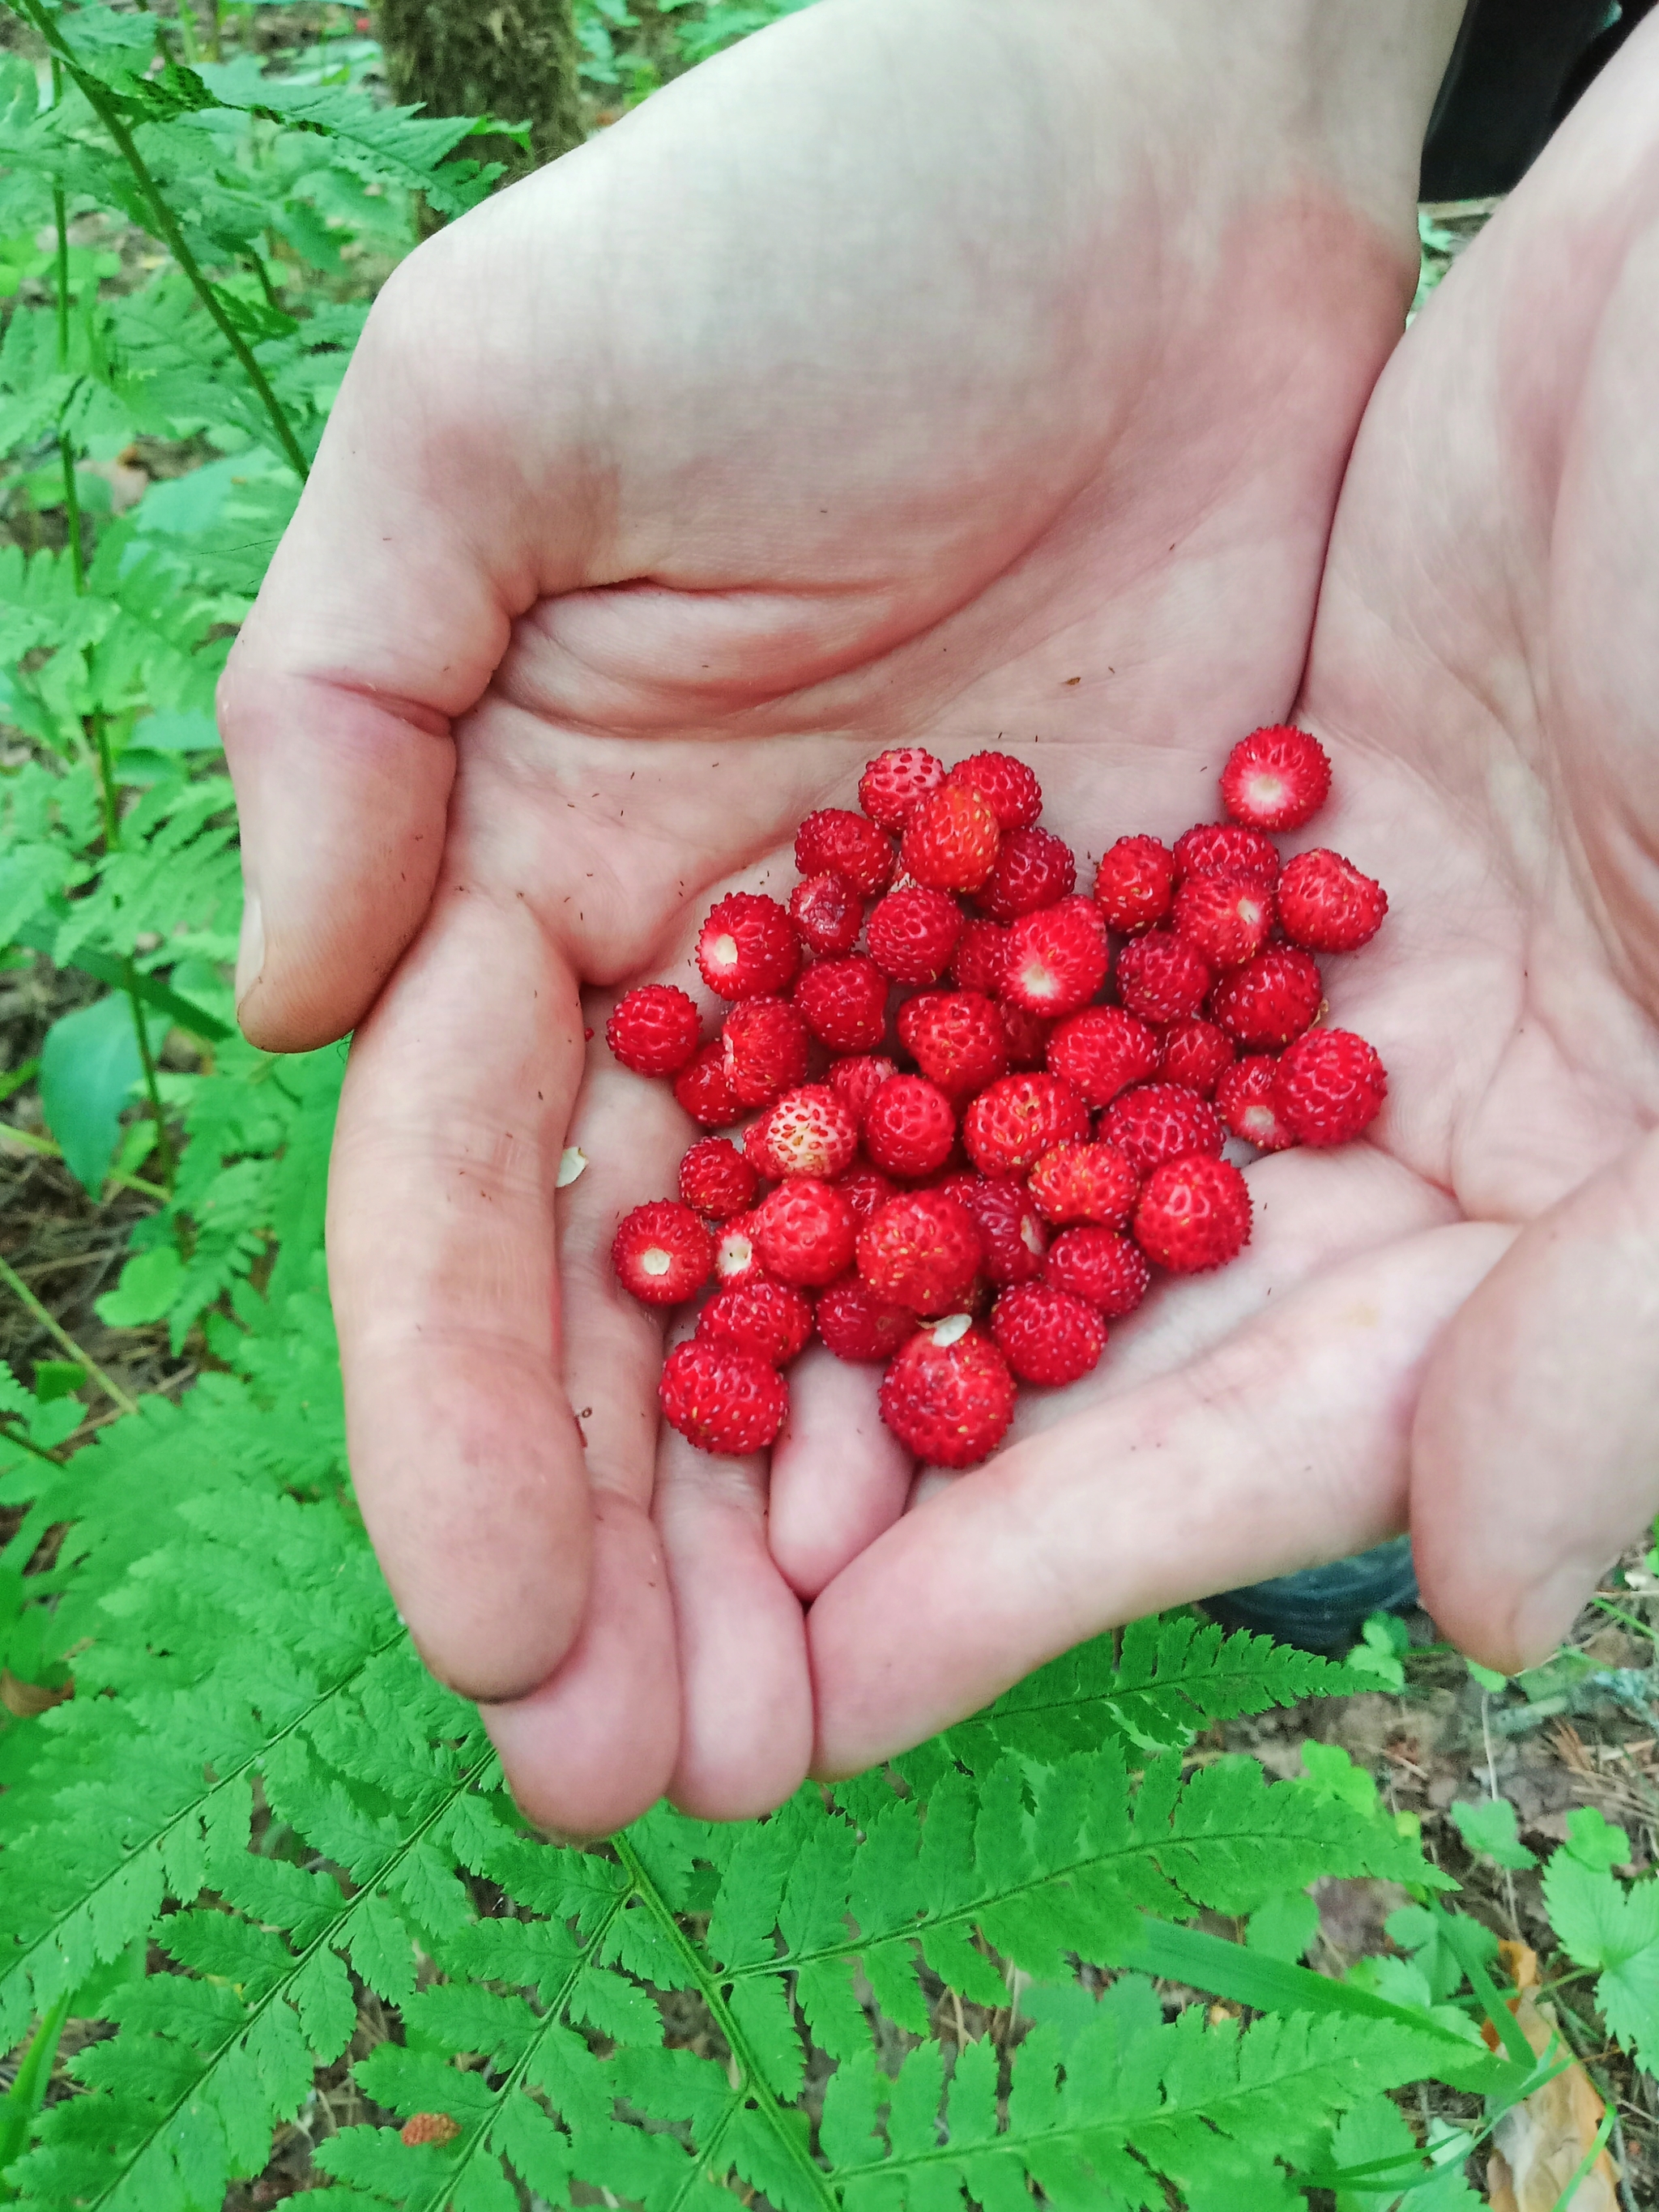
pixel 48 1151
pixel 166 1161
pixel 72 512
pixel 23 2100
pixel 1628 1619
pixel 14 1435
pixel 256 262
pixel 60 1336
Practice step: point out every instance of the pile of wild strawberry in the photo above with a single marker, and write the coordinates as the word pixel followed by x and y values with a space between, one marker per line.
pixel 969 1188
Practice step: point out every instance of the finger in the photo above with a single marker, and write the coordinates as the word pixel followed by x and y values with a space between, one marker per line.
pixel 465 1454
pixel 840 1475
pixel 1536 1448
pixel 1283 1447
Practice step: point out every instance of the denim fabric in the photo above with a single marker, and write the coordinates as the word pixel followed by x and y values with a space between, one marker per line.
pixel 1321 1608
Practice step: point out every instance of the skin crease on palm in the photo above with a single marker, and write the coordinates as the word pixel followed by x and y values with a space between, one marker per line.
pixel 869 387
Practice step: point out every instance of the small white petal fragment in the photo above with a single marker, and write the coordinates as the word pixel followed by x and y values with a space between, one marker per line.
pixel 571 1164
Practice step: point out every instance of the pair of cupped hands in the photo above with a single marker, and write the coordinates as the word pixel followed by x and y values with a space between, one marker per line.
pixel 935 372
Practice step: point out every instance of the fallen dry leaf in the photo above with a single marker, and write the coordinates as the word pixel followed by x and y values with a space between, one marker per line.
pixel 26 1699
pixel 1540 2144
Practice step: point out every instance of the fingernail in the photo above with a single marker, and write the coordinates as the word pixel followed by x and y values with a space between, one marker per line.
pixel 1544 1617
pixel 251 947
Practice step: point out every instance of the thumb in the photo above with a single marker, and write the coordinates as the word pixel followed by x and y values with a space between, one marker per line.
pixel 1535 1453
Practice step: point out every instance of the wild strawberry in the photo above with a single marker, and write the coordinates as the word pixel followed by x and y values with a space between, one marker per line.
pixel 1101 1051
pixel 1033 870
pixel 1227 917
pixel 921 1251
pixel 912 934
pixel 1057 959
pixel 895 781
pixel 805 1233
pixel 1085 1182
pixel 950 839
pixel 1017 1119
pixel 748 948
pixel 1245 1100
pixel 844 1003
pixel 1014 1236
pixel 833 841
pixel 956 1039
pixel 910 1128
pixel 1275 779
pixel 720 1400
pixel 858 1327
pixel 1270 999
pixel 736 1259
pixel 1025 1035
pixel 765 1042
pixel 948 1395
pixel 769 1320
pixel 828 913
pixel 1047 1335
pixel 716 1179
pixel 1327 905
pixel 980 959
pixel 1196 1055
pixel 1194 1214
pixel 1162 978
pixel 1135 885
pixel 1330 1085
pixel 654 1030
pixel 1108 1270
pixel 867 1190
pixel 1014 794
pixel 1225 849
pixel 662 1253
pixel 1159 1122
pixel 858 1077
pixel 702 1091
pixel 810 1132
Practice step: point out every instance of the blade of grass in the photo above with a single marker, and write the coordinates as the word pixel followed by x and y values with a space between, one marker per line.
pixel 23 2100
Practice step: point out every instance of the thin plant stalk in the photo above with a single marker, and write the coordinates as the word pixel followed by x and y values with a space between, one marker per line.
pixel 29 1142
pixel 165 1160
pixel 61 1337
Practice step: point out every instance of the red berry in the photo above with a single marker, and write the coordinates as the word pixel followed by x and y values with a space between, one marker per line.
pixel 980 959
pixel 1134 883
pixel 921 1251
pixel 1326 904
pixel 703 1089
pixel 828 913
pixel 1017 1119
pixel 1196 1055
pixel 895 781
pixel 948 1395
pixel 765 1042
pixel 956 1038
pixel 1047 1335
pixel 1226 917
pixel 844 1003
pixel 1025 1034
pixel 1275 779
pixel 736 1260
pixel 662 1253
pixel 805 1233
pixel 721 1400
pixel 1108 1270
pixel 1033 870
pixel 912 932
pixel 858 1327
pixel 1162 978
pixel 1245 1100
pixel 1223 848
pixel 910 1128
pixel 1014 1236
pixel 1101 1051
pixel 810 1132
pixel 858 1078
pixel 834 841
pixel 950 839
pixel 1194 1214
pixel 1057 959
pixel 1014 794
pixel 769 1320
pixel 717 1179
pixel 654 1030
pixel 748 948
pixel 867 1190
pixel 1330 1085
pixel 1159 1122
pixel 1085 1182
pixel 1269 1000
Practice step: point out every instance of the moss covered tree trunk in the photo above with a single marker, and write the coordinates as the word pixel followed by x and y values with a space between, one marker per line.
pixel 514 58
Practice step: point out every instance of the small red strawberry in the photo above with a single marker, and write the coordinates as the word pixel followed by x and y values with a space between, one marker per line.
pixel 810 1132
pixel 950 839
pixel 1025 1035
pixel 980 959
pixel 1245 1100
pixel 909 1128
pixel 1225 849
pixel 1108 1270
pixel 956 1038
pixel 921 1251
pixel 1018 1118
pixel 1162 978
pixel 765 1043
pixel 654 1030
pixel 1057 959
pixel 736 1260
pixel 1194 1214
pixel 895 781
pixel 1085 1182
pixel 769 1320
pixel 1329 1086
pixel 1227 917
pixel 1103 1050
pixel 867 1190
pixel 913 934
pixel 844 1003
pixel 805 1233
pixel 1327 905
pixel 834 841
pixel 1135 885
pixel 858 1078
pixel 948 1395
pixel 828 913
pixel 1159 1122
pixel 1047 1335
pixel 1014 1236
pixel 1033 870
pixel 748 948
pixel 702 1091
pixel 859 1328
pixel 1013 792
pixel 662 1253
pixel 1275 779
pixel 720 1400
pixel 1196 1054
pixel 1270 999
pixel 716 1179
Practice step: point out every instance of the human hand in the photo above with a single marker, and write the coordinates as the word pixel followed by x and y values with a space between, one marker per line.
pixel 907 375
pixel 1455 1321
